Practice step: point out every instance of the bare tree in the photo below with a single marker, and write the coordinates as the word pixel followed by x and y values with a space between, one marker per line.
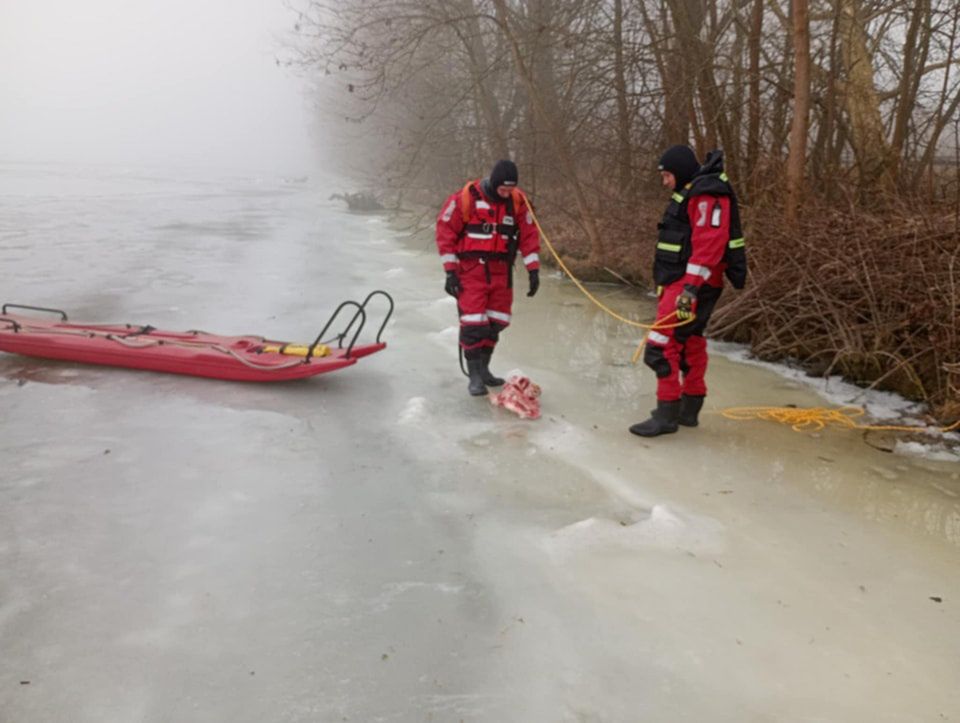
pixel 796 160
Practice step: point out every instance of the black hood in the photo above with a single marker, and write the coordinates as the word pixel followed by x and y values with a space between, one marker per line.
pixel 682 162
pixel 504 173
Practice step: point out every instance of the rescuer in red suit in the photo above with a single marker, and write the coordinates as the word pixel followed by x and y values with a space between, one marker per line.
pixel 699 241
pixel 480 231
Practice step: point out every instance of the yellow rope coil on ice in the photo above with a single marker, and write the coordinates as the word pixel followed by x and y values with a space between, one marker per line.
pixel 814 419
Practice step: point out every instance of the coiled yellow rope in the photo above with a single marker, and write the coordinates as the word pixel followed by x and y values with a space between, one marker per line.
pixel 812 419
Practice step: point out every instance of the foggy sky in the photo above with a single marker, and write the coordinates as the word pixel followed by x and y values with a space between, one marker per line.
pixel 150 82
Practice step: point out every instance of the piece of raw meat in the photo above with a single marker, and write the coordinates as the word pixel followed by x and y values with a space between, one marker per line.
pixel 520 395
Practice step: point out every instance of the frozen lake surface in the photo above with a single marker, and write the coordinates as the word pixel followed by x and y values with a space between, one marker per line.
pixel 375 545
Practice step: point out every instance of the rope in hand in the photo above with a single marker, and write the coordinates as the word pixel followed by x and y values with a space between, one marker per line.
pixel 655 326
pixel 800 420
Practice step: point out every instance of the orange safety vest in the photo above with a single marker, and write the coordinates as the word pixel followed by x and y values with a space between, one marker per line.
pixel 487 238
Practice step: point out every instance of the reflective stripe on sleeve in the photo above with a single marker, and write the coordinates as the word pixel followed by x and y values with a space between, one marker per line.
pixel 530 258
pixel 483 205
pixel 449 258
pixel 448 211
pixel 655 337
pixel 678 197
pixel 698 270
pixel 737 243
pixel 669 247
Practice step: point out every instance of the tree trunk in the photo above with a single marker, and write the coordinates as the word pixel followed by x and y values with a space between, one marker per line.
pixel 688 19
pixel 911 75
pixel 624 155
pixel 942 116
pixel 822 164
pixel 677 86
pixel 796 160
pixel 735 152
pixel 863 107
pixel 753 112
pixel 539 37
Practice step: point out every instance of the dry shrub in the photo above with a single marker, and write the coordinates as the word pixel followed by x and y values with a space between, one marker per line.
pixel 873 297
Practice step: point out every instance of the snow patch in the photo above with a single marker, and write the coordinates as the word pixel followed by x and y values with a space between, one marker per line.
pixel 935 452
pixel 384 601
pixel 662 529
pixel 879 405
pixel 414 411
pixel 393 273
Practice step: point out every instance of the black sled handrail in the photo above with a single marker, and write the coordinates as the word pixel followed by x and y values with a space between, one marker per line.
pixel 63 314
pixel 385 319
pixel 340 337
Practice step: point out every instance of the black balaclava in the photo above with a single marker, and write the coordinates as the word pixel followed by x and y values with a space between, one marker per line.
pixel 504 173
pixel 682 162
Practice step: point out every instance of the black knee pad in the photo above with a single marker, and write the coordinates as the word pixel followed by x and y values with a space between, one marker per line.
pixel 474 334
pixel 653 357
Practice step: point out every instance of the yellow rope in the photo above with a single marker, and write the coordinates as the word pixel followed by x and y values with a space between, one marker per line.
pixel 814 419
pixel 655 326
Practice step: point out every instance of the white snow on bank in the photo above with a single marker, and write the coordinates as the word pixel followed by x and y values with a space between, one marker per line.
pixel 935 452
pixel 393 273
pixel 879 405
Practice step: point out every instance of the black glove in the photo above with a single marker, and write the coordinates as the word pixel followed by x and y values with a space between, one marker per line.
pixel 534 282
pixel 452 286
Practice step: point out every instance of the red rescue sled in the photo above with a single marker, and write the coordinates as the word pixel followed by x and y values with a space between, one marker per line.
pixel 197 353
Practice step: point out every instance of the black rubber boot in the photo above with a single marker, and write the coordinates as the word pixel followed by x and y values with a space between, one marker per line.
pixel 689 409
pixel 485 373
pixel 476 386
pixel 663 420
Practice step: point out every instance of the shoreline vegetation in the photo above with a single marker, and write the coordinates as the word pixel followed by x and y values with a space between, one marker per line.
pixel 839 120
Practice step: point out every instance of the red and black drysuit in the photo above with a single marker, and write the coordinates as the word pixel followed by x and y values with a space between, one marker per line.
pixel 478 237
pixel 699 241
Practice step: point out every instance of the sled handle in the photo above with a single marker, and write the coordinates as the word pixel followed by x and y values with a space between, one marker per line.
pixel 3 310
pixel 364 307
pixel 363 320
